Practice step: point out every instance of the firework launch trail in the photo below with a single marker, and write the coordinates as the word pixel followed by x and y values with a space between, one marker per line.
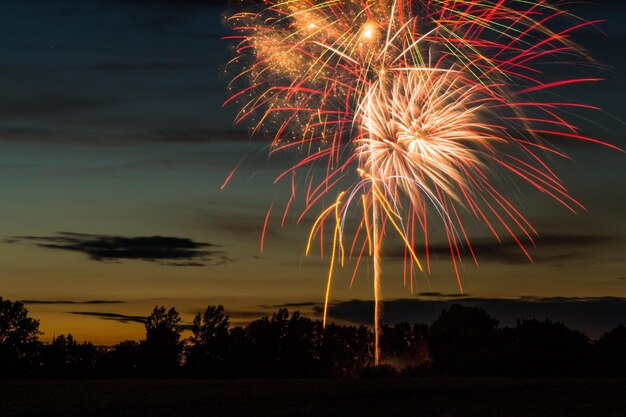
pixel 415 111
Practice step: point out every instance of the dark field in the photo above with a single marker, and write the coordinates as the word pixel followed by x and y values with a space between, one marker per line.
pixel 335 397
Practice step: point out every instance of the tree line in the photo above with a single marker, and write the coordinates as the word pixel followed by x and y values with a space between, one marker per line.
pixel 462 341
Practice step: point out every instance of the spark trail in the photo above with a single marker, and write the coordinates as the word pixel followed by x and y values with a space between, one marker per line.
pixel 415 110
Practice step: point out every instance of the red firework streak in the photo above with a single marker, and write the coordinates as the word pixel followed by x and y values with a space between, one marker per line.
pixel 409 113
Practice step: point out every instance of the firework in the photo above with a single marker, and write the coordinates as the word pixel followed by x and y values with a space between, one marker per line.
pixel 414 110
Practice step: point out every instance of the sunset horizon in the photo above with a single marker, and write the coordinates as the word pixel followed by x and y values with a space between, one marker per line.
pixel 116 146
pixel 270 208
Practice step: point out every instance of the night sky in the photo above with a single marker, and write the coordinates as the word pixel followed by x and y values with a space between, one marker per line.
pixel 114 145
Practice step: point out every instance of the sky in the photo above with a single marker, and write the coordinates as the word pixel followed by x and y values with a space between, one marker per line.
pixel 114 144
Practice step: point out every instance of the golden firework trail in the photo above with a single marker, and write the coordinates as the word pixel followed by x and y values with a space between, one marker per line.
pixel 414 110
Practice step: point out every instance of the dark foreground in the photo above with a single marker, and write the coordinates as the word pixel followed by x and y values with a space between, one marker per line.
pixel 337 397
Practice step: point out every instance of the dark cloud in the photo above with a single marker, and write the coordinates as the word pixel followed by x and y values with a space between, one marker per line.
pixel 69 136
pixel 171 251
pixel 170 26
pixel 142 67
pixel 195 136
pixel 239 224
pixel 122 318
pixel 174 4
pixel 191 20
pixel 72 302
pixel 176 136
pixel 27 134
pixel 441 295
pixel 293 305
pixel 593 316
pixel 52 105
pixel 243 316
pixel 550 249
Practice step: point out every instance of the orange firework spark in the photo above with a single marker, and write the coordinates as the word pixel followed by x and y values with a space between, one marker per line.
pixel 415 109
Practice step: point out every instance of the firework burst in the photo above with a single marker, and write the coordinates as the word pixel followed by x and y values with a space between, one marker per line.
pixel 413 109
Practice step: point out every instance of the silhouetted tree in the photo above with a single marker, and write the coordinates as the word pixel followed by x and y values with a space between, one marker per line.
pixel 238 354
pixel 18 339
pixel 160 353
pixel 419 344
pixel 66 358
pixel 208 348
pixel 545 348
pixel 297 349
pixel 610 353
pixel 121 360
pixel 276 346
pixel 464 341
pixel 404 345
pixel 395 340
pixel 344 350
pixel 262 350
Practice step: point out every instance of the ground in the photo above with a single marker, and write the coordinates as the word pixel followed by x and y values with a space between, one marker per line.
pixel 425 397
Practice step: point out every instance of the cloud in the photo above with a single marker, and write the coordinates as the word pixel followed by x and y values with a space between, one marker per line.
pixel 249 221
pixel 171 251
pixel 441 295
pixel 73 135
pixel 179 18
pixel 593 315
pixel 245 317
pixel 27 134
pixel 175 4
pixel 166 136
pixel 142 67
pixel 72 302
pixel 122 318
pixel 51 105
pixel 240 225
pixel 293 305
pixel 239 314
pixel 195 136
pixel 552 249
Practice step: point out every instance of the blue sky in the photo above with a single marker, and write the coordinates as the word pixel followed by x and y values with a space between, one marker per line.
pixel 111 125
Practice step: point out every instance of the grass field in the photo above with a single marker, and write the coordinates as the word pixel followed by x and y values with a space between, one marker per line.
pixel 325 397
